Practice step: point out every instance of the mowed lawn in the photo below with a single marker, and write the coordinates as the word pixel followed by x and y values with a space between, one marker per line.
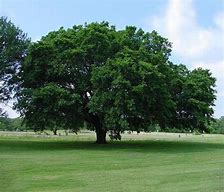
pixel 138 163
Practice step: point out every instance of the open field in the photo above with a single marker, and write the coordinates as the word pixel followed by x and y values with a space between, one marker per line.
pixel 144 162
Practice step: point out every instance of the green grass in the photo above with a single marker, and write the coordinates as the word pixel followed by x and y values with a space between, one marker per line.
pixel 145 162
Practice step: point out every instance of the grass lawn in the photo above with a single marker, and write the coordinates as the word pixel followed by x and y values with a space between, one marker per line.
pixel 144 162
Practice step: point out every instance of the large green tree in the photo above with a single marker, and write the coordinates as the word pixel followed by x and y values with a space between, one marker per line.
pixel 110 79
pixel 13 48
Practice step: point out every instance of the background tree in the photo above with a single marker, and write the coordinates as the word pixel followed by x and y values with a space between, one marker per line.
pixel 5 124
pixel 12 124
pixel 217 126
pixel 13 49
pixel 109 79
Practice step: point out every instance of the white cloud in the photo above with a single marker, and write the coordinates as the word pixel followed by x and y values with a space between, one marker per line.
pixel 219 20
pixel 179 24
pixel 217 68
pixel 36 39
pixel 8 108
pixel 192 43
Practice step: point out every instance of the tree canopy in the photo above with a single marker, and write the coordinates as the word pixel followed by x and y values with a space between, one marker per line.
pixel 112 80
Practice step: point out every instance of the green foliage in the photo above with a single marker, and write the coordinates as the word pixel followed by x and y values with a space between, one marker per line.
pixel 13 49
pixel 217 126
pixel 199 97
pixel 17 124
pixel 51 107
pixel 111 80
pixel 130 94
pixel 5 124
pixel 14 124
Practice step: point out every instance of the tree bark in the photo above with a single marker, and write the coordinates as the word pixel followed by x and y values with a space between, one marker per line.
pixel 100 135
pixel 100 132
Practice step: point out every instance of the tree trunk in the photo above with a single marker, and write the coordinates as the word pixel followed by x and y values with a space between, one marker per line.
pixel 54 131
pixel 100 132
pixel 100 135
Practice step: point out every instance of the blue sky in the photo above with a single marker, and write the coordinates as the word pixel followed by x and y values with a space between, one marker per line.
pixel 195 27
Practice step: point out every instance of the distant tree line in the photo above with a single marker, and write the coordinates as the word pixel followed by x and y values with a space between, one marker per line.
pixel 12 124
pixel 16 124
pixel 217 126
